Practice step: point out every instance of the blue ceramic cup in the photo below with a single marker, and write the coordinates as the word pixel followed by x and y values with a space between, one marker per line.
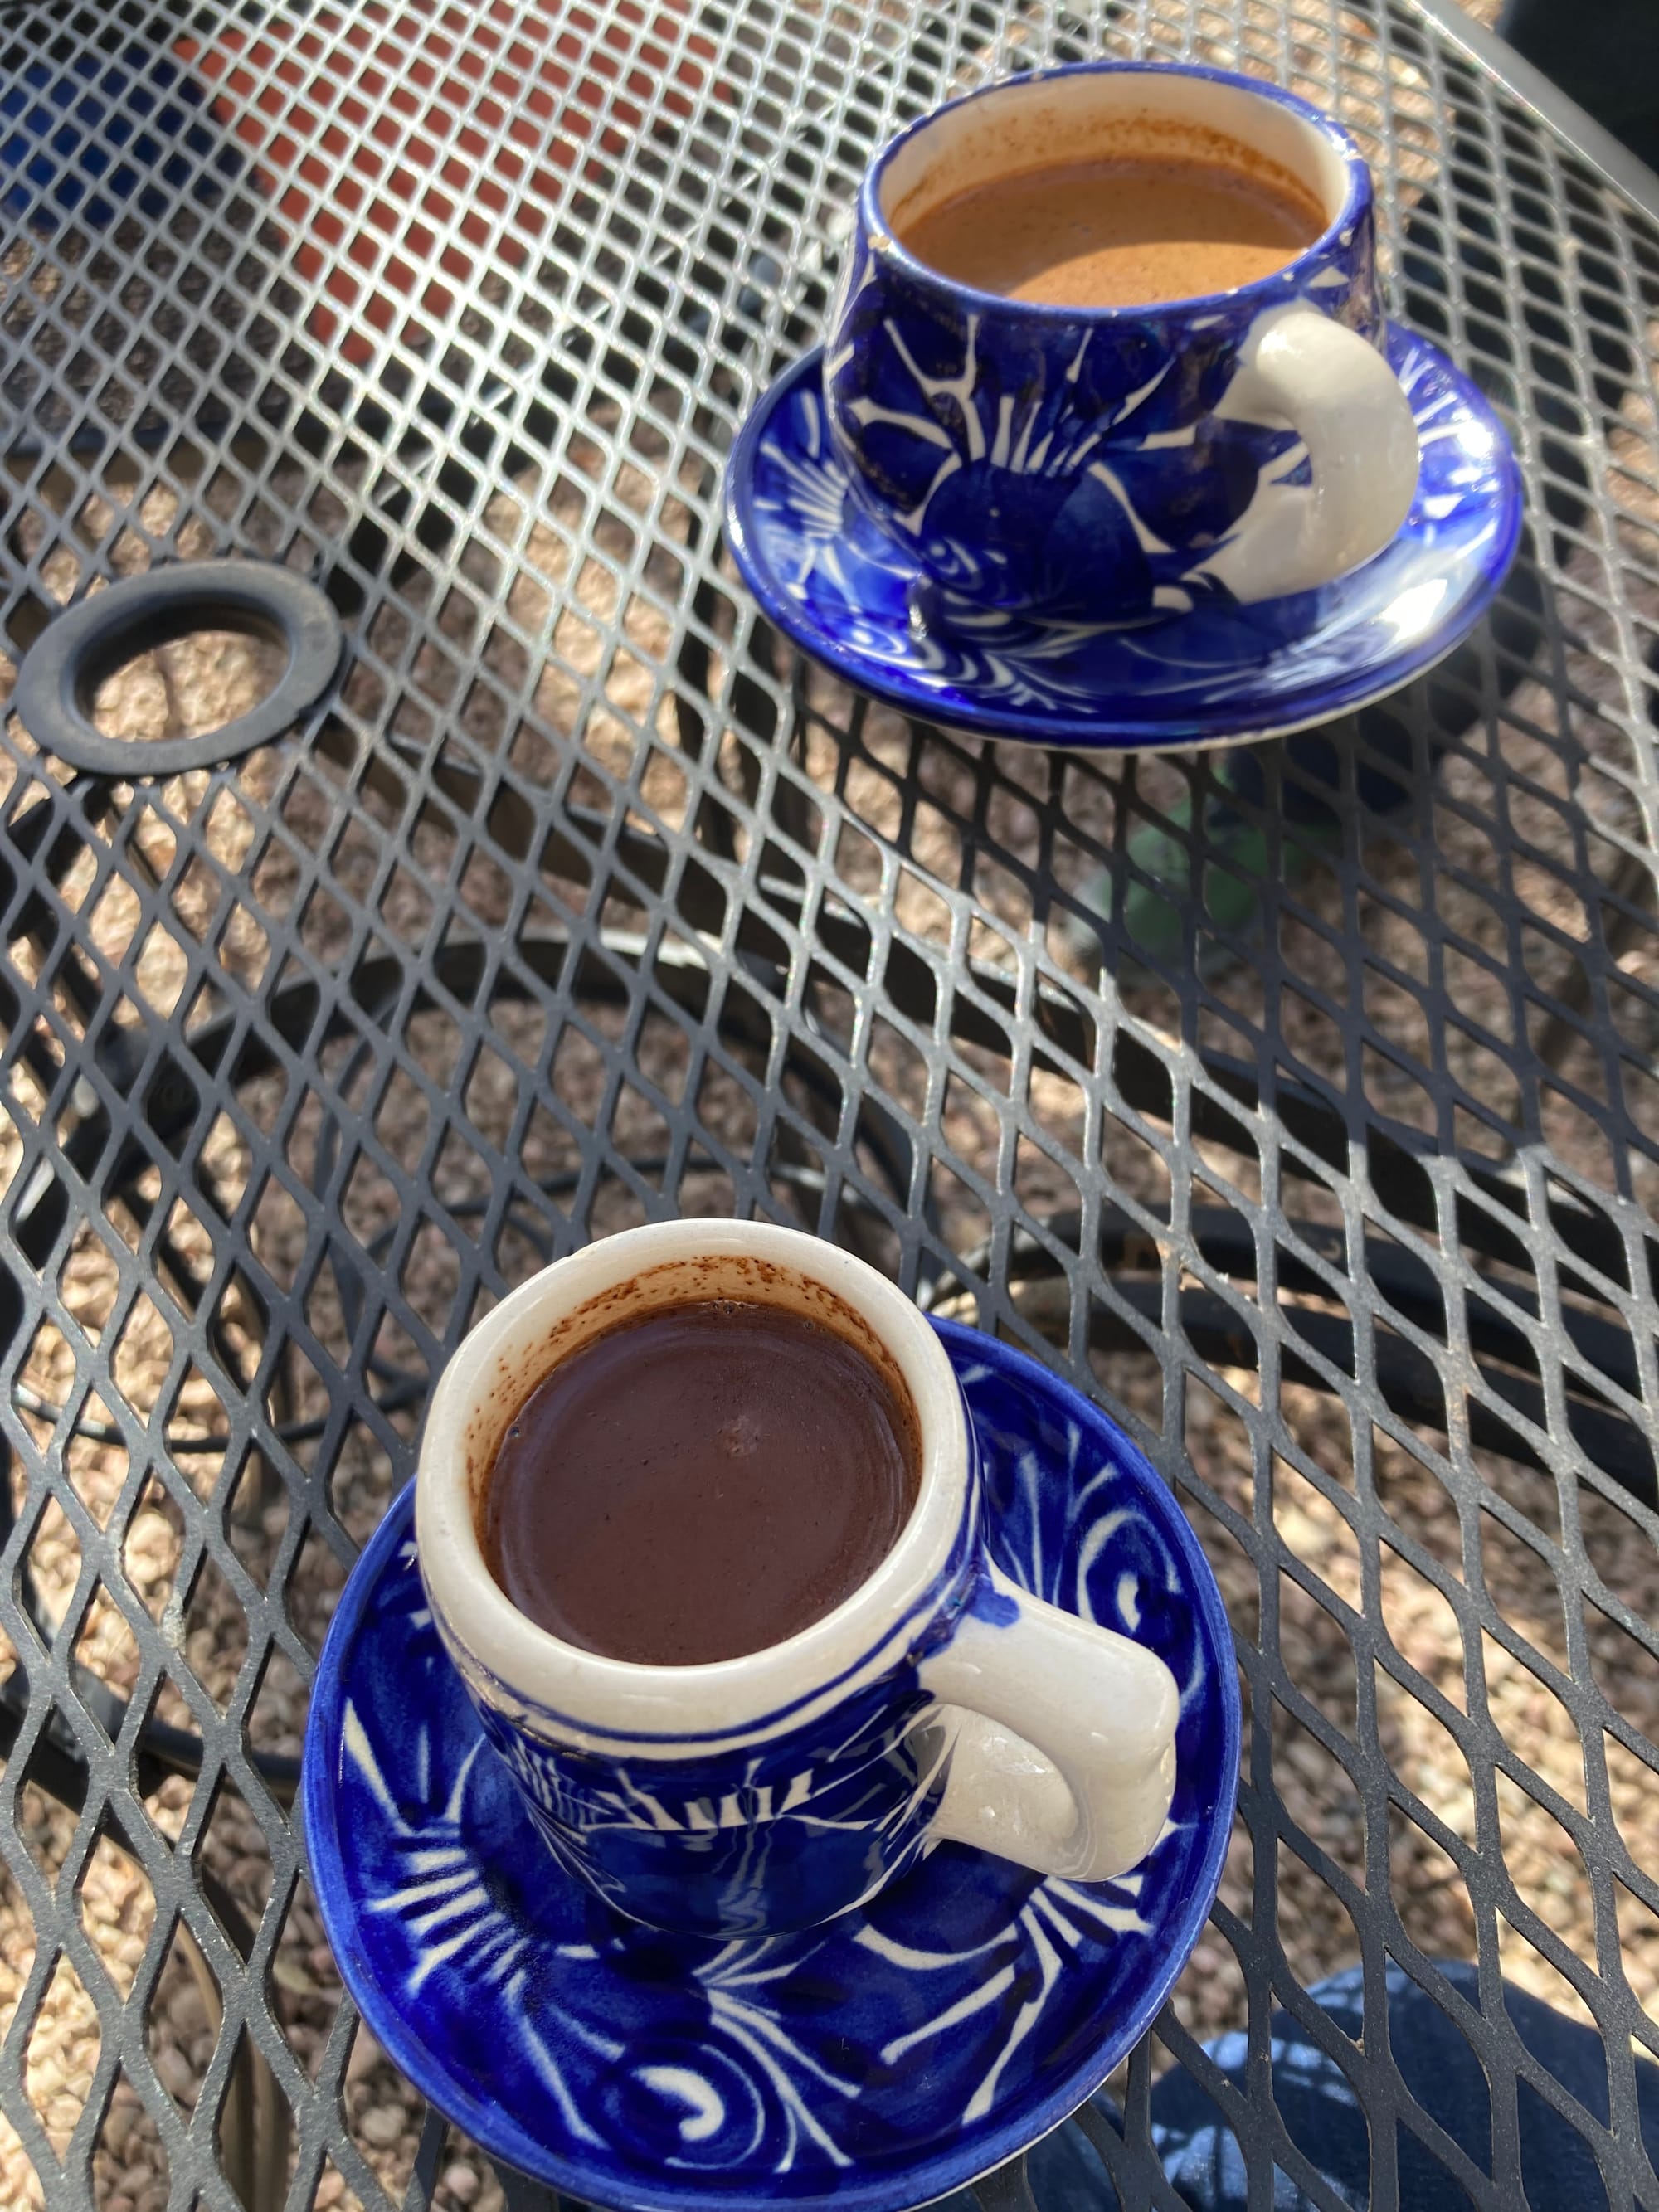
pixel 1064 465
pixel 772 1791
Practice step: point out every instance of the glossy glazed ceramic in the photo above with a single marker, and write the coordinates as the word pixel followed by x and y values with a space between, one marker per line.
pixel 878 2062
pixel 1066 465
pixel 855 598
pixel 771 1791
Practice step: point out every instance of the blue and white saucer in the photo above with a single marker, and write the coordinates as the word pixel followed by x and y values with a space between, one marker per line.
pixel 847 593
pixel 879 2061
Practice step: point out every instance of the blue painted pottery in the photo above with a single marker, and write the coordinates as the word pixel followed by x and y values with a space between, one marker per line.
pixel 878 2061
pixel 1089 462
pixel 855 597
pixel 775 1787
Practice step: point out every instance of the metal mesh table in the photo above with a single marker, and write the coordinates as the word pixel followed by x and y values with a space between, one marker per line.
pixel 581 901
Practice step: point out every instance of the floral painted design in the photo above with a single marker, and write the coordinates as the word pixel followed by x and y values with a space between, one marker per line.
pixel 1012 472
pixel 881 2059
pixel 1056 462
pixel 854 597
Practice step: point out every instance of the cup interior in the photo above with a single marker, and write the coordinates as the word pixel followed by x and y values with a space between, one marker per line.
pixel 1073 115
pixel 749 1277
pixel 509 1658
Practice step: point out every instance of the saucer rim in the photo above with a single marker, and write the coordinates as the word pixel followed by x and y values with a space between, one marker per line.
pixel 1107 732
pixel 894 2189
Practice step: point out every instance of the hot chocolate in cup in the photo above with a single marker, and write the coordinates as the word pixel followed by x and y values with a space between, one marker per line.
pixel 775 1787
pixel 1048 447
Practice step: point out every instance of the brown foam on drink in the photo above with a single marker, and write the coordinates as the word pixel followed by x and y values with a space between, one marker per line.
pixel 1115 231
pixel 1087 115
pixel 1046 137
pixel 699 1482
pixel 670 1282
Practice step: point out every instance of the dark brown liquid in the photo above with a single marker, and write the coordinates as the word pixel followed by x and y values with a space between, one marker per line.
pixel 1115 233
pixel 698 1484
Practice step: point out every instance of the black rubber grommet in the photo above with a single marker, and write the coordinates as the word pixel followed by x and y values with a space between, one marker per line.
pixel 64 668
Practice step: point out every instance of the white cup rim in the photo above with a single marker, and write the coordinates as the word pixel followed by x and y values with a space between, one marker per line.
pixel 567 1694
pixel 1338 231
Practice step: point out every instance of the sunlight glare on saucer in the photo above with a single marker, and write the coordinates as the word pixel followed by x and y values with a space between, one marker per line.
pixel 1412 614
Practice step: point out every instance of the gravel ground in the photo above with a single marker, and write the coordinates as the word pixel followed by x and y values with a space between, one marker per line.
pixel 195 685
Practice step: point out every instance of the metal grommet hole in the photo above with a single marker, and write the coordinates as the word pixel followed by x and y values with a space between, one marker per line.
pixel 100 687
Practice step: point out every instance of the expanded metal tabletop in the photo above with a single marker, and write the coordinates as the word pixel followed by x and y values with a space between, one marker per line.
pixel 579 900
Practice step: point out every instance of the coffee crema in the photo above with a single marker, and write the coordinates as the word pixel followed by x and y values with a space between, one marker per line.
pixel 1118 231
pixel 701 1482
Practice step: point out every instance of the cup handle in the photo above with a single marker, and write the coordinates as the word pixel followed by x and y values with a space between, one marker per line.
pixel 1065 1762
pixel 1334 390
